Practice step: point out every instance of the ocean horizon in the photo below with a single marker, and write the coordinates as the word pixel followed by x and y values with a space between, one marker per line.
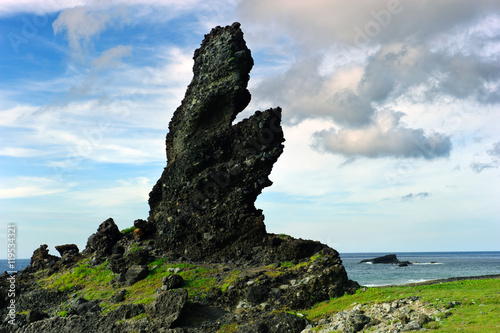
pixel 426 266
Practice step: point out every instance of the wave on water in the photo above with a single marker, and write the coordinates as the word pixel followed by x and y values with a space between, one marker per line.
pixel 417 281
pixel 427 263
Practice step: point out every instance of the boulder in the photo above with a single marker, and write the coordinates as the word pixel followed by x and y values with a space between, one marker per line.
pixel 168 306
pixel 136 273
pixel 42 259
pixel 257 293
pixel 104 239
pixel 119 296
pixel 81 306
pixel 355 322
pixel 126 311
pixel 67 250
pixel 172 282
pixel 36 315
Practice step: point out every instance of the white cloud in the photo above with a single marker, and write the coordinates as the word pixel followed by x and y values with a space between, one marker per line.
pixel 81 24
pixel 323 21
pixel 9 7
pixel 111 56
pixel 358 58
pixel 386 137
pixel 26 187
pixel 18 152
pixel 122 193
pixel 495 150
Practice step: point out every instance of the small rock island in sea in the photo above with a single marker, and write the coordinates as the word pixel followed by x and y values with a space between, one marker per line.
pixel 202 260
pixel 387 259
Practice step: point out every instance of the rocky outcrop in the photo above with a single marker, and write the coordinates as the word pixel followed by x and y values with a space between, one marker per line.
pixel 101 243
pixel 203 204
pixel 42 259
pixel 67 250
pixel 387 259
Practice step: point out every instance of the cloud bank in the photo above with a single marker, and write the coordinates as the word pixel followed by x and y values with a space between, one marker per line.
pixel 358 59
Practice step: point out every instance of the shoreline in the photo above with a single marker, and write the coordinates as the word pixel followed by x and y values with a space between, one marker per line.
pixel 437 281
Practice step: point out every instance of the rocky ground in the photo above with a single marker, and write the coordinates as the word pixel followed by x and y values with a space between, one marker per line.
pixel 88 292
pixel 403 315
pixel 135 288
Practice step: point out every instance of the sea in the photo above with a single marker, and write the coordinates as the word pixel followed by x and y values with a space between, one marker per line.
pixel 426 266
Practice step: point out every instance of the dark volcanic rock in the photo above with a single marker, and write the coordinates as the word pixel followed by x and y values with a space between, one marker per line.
pixel 168 306
pixel 81 306
pixel 36 315
pixel 203 204
pixel 136 273
pixel 172 282
pixel 387 259
pixel 67 249
pixel 257 293
pixel 144 229
pixel 104 239
pixel 42 259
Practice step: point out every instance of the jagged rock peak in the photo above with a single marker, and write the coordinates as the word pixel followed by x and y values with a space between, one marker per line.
pixel 204 201
pixel 218 91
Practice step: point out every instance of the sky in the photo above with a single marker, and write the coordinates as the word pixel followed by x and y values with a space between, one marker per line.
pixel 390 114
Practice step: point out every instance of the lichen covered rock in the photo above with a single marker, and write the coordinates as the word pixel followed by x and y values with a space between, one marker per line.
pixel 203 204
pixel 104 239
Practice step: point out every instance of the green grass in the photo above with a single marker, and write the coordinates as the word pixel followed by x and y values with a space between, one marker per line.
pixel 230 279
pixel 479 311
pixel 287 264
pixel 228 328
pixel 128 230
pixel 96 279
pixel 134 248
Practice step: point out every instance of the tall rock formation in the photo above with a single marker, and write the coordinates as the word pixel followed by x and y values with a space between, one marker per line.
pixel 203 204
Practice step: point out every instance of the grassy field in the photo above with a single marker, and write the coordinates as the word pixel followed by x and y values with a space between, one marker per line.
pixel 479 310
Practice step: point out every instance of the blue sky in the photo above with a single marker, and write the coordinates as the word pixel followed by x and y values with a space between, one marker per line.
pixel 390 112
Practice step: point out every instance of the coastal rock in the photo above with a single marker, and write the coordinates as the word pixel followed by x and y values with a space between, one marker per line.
pixel 42 259
pixel 126 311
pixel 136 273
pixel 387 259
pixel 172 282
pixel 36 315
pixel 203 204
pixel 81 306
pixel 104 239
pixel 69 253
pixel 168 306
pixel 144 229
pixel 67 250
